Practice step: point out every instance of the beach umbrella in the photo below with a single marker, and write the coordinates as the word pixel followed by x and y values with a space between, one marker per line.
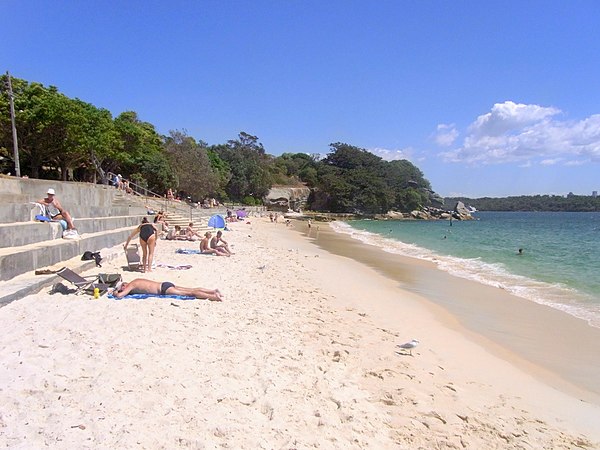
pixel 216 221
pixel 241 213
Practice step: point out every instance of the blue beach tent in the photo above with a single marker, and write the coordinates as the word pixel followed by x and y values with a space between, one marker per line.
pixel 216 221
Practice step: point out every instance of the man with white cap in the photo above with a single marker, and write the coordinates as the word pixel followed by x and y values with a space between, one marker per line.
pixel 55 211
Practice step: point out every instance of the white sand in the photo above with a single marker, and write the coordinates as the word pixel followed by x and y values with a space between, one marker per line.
pixel 300 354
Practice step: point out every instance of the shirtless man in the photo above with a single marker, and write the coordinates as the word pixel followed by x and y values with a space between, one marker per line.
pixel 214 243
pixel 57 212
pixel 190 233
pixel 143 286
pixel 205 246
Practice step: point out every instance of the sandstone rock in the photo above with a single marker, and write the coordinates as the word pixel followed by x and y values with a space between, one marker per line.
pixel 284 198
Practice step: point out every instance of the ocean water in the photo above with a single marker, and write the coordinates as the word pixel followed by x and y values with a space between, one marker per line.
pixel 559 266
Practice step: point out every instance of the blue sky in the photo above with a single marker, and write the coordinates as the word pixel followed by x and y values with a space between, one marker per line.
pixel 486 98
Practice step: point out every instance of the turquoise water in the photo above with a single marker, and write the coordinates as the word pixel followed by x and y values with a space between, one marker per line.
pixel 559 266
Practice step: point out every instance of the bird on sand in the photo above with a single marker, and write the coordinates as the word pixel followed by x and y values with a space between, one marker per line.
pixel 408 346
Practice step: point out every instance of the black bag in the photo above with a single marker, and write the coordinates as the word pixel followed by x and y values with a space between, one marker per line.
pixel 88 256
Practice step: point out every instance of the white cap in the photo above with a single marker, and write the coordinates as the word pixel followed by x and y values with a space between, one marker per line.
pixel 51 191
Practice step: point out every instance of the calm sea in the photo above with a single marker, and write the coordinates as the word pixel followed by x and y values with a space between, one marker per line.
pixel 559 266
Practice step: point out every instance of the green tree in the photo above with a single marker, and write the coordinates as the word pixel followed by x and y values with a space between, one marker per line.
pixel 191 165
pixel 249 167
pixel 140 151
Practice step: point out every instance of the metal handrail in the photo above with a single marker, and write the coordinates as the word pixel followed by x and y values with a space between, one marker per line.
pixel 164 202
pixel 140 190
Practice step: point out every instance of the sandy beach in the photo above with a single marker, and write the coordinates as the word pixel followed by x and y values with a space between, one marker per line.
pixel 300 354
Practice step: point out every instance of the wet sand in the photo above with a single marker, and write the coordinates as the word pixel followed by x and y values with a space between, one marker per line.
pixel 561 348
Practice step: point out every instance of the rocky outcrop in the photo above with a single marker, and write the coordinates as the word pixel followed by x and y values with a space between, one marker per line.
pixel 461 212
pixel 284 198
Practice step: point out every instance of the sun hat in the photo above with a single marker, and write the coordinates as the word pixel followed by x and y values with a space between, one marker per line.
pixel 51 192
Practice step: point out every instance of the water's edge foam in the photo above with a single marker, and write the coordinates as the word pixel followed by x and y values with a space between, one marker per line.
pixel 555 296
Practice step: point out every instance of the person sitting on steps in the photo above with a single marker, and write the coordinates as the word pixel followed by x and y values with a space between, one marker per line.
pixel 55 211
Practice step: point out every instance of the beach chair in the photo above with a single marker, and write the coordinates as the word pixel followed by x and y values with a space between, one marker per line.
pixel 133 257
pixel 83 284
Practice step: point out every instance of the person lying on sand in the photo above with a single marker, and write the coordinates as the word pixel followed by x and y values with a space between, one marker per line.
pixel 143 286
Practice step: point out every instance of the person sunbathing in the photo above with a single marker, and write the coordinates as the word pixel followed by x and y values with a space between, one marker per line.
pixel 144 286
pixel 205 246
pixel 190 233
pixel 175 234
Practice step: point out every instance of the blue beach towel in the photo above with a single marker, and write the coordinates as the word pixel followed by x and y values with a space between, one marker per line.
pixel 145 296
pixel 187 251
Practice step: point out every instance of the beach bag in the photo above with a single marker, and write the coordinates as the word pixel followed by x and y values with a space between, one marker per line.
pixel 110 279
pixel 88 256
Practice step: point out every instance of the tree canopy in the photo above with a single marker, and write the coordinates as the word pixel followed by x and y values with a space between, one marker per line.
pixel 572 203
pixel 69 139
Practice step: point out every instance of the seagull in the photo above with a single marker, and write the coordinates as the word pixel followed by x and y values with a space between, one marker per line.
pixel 408 346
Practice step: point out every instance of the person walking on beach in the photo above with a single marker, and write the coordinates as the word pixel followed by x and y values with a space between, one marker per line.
pixel 144 286
pixel 205 246
pixel 55 211
pixel 148 236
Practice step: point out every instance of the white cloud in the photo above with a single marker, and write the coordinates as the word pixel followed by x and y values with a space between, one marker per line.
pixel 391 155
pixel 445 135
pixel 528 134
pixel 509 116
pixel 550 162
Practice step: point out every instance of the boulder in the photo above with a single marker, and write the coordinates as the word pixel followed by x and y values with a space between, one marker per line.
pixel 421 215
pixel 284 198
pixel 461 212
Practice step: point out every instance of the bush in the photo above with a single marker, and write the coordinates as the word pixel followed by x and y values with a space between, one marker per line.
pixel 249 200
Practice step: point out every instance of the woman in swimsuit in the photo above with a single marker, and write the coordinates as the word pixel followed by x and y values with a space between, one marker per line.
pixel 148 236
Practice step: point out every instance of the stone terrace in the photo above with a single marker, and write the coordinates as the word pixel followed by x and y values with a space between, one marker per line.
pixel 103 215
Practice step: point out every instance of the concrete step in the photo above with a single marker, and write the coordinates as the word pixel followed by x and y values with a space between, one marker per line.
pixel 22 212
pixel 24 233
pixel 28 283
pixel 18 260
pixel 16 212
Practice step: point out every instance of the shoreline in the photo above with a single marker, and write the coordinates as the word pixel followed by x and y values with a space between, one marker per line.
pixel 561 348
pixel 301 353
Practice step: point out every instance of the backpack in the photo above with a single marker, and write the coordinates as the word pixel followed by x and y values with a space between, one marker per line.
pixel 88 256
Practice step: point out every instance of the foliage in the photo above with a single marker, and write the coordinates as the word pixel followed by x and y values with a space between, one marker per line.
pixel 351 179
pixel 251 201
pixel 72 139
pixel 248 167
pixel 191 165
pixel 573 203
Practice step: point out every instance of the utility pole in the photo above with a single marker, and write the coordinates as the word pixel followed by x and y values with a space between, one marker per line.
pixel 14 128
